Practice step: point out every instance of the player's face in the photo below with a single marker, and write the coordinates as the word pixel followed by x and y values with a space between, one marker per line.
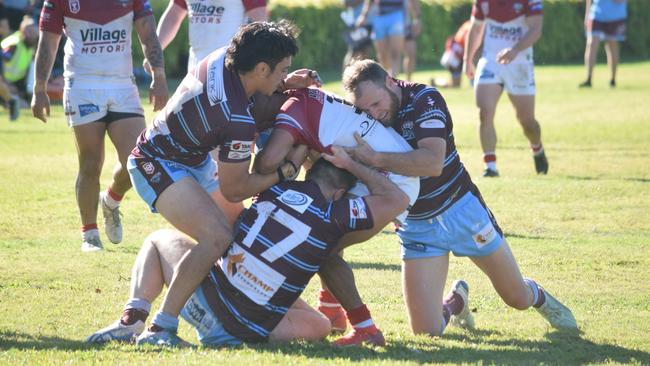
pixel 274 77
pixel 378 101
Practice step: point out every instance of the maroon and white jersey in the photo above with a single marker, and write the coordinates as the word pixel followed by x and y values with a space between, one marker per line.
pixel 320 119
pixel 505 24
pixel 212 23
pixel 98 49
pixel 279 246
pixel 209 109
pixel 424 114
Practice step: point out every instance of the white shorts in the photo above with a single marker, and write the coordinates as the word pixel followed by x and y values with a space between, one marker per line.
pixel 90 105
pixel 517 78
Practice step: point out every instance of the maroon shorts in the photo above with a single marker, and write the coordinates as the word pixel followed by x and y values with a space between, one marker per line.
pixel 607 31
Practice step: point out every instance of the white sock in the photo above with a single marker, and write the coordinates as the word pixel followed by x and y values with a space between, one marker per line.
pixel 492 165
pixel 109 201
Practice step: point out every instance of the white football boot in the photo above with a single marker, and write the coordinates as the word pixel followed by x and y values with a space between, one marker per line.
pixel 117 332
pixel 91 243
pixel 559 316
pixel 112 221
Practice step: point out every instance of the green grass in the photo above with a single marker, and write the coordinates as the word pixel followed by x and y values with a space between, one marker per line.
pixel 583 232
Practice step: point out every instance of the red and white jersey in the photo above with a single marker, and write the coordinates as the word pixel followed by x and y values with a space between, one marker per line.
pixel 505 24
pixel 213 23
pixel 319 120
pixel 98 49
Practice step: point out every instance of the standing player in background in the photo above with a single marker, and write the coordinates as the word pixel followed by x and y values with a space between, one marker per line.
pixel 212 24
pixel 412 30
pixel 452 59
pixel 604 21
pixel 449 214
pixel 357 37
pixel 100 95
pixel 388 30
pixel 508 29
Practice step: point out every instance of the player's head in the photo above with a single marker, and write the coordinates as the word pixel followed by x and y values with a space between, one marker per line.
pixel 333 182
pixel 266 108
pixel 29 31
pixel 372 90
pixel 263 48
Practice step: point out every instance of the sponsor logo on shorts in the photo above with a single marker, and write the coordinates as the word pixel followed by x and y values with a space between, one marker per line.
pixel 296 200
pixel 485 235
pixel 486 74
pixel 358 209
pixel 86 109
pixel 74 6
pixel 148 167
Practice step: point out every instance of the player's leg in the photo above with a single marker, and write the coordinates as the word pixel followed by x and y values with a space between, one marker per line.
pixel 519 293
pixel 89 138
pixel 410 53
pixel 423 283
pixel 395 46
pixel 153 267
pixel 591 53
pixel 612 51
pixel 524 105
pixel 487 96
pixel 301 322
pixel 383 53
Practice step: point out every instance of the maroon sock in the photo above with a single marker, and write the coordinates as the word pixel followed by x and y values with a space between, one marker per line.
pixel 131 316
pixel 454 303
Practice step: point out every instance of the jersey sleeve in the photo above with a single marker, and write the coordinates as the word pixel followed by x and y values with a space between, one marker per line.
pixel 237 143
pixel 252 4
pixel 352 215
pixel 51 17
pixel 141 9
pixel 291 118
pixel 534 7
pixel 477 11
pixel 180 3
pixel 431 114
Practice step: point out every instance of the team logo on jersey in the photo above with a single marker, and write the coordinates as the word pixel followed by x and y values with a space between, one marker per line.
pixel 517 7
pixel 430 101
pixel 358 209
pixel 74 6
pixel 366 127
pixel 148 168
pixel 296 200
pixel 407 130
pixel 485 235
pixel 485 7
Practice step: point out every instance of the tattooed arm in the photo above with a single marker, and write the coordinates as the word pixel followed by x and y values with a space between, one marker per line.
pixel 47 45
pixel 146 28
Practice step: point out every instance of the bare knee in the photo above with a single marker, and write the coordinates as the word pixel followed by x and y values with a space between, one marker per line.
pixel 321 327
pixel 90 166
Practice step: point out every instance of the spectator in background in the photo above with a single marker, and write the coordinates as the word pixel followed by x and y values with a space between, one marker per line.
pixel 604 21
pixel 14 10
pixel 412 30
pixel 356 37
pixel 452 59
pixel 17 55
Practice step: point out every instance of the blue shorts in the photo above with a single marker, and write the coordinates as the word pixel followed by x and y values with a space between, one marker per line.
pixel 209 328
pixel 387 25
pixel 467 229
pixel 151 176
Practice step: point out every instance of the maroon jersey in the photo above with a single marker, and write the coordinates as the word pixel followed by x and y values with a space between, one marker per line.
pixel 279 245
pixel 424 114
pixel 208 110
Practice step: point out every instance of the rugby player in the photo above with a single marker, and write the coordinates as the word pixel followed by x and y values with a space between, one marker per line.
pixel 449 215
pixel 319 120
pixel 171 168
pixel 252 293
pixel 508 29
pixel 100 95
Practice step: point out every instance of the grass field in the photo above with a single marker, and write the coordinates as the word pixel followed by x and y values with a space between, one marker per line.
pixel 583 232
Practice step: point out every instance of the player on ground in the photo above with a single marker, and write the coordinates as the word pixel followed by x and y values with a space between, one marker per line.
pixel 508 30
pixel 319 120
pixel 100 95
pixel 252 294
pixel 449 215
pixel 171 168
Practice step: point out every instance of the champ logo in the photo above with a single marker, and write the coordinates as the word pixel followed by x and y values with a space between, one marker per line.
pixel 296 200
pixel 148 168
pixel 74 6
pixel 233 260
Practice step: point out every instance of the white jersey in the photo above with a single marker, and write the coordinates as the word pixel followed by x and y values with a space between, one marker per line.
pixel 212 23
pixel 319 120
pixel 98 49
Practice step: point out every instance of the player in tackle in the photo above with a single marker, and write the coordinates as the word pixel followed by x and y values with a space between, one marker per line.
pixel 252 293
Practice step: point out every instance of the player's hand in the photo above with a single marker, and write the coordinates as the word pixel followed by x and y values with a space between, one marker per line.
pixel 41 105
pixel 362 152
pixel 470 70
pixel 158 92
pixel 506 55
pixel 302 78
pixel 339 158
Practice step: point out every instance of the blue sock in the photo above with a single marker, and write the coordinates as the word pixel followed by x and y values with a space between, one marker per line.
pixel 165 321
pixel 135 303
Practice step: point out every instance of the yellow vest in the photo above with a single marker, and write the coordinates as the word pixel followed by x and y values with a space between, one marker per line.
pixel 17 66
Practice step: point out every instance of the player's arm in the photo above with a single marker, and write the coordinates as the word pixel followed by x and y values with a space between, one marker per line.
pixel 472 44
pixel 425 161
pixel 276 150
pixel 414 10
pixel 363 17
pixel 170 22
pixel 534 23
pixel 145 26
pixel 48 43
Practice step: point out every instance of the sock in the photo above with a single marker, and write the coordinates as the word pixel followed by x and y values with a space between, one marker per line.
pixel 453 303
pixel 539 297
pixel 136 303
pixel 537 149
pixel 112 199
pixel 361 320
pixel 165 321
pixel 132 315
pixel 327 300
pixel 490 159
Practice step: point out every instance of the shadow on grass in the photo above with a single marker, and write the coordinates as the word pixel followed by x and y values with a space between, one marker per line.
pixel 557 348
pixel 627 179
pixel 375 265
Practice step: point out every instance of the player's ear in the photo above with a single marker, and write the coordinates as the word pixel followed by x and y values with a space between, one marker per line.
pixel 262 69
